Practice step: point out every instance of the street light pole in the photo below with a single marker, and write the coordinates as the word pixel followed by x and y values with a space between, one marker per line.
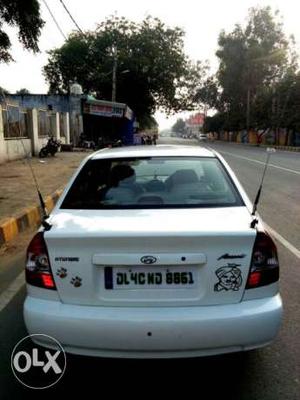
pixel 114 76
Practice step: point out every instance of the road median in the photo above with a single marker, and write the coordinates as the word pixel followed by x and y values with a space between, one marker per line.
pixel 27 218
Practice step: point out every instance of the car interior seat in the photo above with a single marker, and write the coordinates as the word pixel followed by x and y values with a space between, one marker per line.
pixel 155 185
pixel 213 178
pixel 180 177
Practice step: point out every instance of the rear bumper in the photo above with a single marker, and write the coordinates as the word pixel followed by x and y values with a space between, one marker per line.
pixel 158 332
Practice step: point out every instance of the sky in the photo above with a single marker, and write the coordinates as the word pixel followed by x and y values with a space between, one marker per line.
pixel 202 22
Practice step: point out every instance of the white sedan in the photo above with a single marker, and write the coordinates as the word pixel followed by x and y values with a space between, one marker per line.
pixel 150 252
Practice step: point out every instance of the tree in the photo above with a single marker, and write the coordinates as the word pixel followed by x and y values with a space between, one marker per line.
pixel 149 122
pixel 3 91
pixel 179 126
pixel 23 91
pixel 208 94
pixel 254 59
pixel 286 104
pixel 214 123
pixel 26 16
pixel 152 69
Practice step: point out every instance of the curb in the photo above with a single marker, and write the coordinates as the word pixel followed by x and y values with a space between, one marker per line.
pixel 278 147
pixel 287 148
pixel 29 217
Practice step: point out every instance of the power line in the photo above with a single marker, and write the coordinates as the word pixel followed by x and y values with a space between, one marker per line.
pixel 56 23
pixel 77 26
pixel 80 30
pixel 70 15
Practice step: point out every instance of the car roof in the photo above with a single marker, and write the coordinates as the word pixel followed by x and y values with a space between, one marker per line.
pixel 153 151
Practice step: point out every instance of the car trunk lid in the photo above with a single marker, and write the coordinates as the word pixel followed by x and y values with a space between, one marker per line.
pixel 170 257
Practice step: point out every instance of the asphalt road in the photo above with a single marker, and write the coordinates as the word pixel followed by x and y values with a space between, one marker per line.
pixel 271 373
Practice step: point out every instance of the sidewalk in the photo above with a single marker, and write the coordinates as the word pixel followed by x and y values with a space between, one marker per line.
pixel 19 204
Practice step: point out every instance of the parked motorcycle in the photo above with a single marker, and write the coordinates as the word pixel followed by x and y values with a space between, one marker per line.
pixel 116 143
pixel 51 147
pixel 84 143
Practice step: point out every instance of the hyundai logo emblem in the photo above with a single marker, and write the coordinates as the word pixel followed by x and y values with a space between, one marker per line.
pixel 148 260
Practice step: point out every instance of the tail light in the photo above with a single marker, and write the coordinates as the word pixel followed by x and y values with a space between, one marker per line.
pixel 264 264
pixel 37 268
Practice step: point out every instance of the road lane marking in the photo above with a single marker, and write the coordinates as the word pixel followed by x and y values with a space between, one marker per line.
pixel 10 292
pixel 283 241
pixel 260 162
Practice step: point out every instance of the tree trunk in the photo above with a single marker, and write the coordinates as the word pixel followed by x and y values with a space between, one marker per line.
pixel 286 139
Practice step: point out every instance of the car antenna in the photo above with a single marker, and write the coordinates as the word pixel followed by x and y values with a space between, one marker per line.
pixel 255 220
pixel 45 224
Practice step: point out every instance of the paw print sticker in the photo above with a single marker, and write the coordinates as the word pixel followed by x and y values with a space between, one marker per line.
pixel 62 272
pixel 76 282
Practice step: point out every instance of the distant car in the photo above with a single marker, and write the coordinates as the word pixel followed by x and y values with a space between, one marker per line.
pixel 202 137
pixel 151 253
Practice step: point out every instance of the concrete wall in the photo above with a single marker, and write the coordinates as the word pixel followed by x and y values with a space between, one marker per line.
pixel 71 105
pixel 59 103
pixel 281 137
pixel 15 148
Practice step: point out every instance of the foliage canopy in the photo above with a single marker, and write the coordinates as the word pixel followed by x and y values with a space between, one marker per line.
pixel 26 16
pixel 255 85
pixel 152 69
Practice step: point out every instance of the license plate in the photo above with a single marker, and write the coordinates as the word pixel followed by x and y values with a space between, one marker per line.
pixel 149 278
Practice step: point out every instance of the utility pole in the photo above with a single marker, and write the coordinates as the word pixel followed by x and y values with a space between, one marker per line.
pixel 114 75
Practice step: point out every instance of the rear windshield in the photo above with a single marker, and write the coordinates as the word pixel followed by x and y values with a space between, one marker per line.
pixel 152 182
